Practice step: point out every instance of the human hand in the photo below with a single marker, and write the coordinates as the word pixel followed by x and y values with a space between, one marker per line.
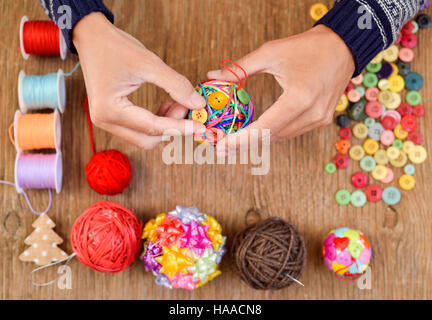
pixel 313 69
pixel 114 65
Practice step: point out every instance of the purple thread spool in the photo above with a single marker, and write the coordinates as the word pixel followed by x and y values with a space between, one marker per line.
pixel 38 171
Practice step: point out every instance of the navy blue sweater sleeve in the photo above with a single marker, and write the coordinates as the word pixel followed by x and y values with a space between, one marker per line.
pixel 67 13
pixel 369 26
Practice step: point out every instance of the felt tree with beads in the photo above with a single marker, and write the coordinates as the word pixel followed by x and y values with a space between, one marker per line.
pixel 43 243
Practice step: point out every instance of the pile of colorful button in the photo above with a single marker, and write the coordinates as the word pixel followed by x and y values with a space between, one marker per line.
pixel 379 129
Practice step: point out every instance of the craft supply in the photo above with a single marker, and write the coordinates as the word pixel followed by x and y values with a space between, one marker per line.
pixel 108 172
pixel 269 255
pixel 43 243
pixel 385 129
pixel 38 171
pixel 229 107
pixel 36 131
pixel 41 38
pixel 42 92
pixel 347 253
pixel 318 10
pixel 106 237
pixel 183 249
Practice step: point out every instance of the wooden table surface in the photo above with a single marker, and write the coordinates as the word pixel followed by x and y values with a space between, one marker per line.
pixel 192 36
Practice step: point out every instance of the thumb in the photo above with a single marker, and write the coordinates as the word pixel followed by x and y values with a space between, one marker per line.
pixel 177 86
pixel 255 62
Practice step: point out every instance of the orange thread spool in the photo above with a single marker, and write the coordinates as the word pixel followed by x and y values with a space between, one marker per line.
pixel 37 131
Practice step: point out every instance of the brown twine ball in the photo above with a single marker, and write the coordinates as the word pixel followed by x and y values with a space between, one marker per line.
pixel 267 251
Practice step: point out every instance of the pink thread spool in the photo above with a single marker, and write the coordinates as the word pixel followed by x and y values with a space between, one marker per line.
pixel 38 171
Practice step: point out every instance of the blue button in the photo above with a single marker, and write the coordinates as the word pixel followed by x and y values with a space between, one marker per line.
pixel 409 169
pixel 414 81
pixel 391 196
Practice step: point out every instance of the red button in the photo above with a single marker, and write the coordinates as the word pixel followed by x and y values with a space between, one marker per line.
pixel 415 137
pixel 399 39
pixel 409 123
pixel 341 161
pixel 404 109
pixel 418 111
pixel 372 94
pixel 408 28
pixel 389 122
pixel 350 87
pixel 374 193
pixel 409 41
pixel 359 180
pixel 374 109
pixel 345 133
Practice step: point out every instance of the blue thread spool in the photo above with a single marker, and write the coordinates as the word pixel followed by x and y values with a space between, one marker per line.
pixel 42 92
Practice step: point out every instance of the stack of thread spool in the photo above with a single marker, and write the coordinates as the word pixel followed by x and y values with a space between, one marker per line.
pixel 37 125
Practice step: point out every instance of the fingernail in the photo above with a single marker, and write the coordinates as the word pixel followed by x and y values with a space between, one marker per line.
pixel 197 100
pixel 214 73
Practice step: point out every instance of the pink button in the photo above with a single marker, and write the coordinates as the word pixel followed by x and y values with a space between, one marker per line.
pixel 394 114
pixel 354 96
pixel 372 94
pixel 406 55
pixel 389 177
pixel 387 137
pixel 374 109
pixel 357 80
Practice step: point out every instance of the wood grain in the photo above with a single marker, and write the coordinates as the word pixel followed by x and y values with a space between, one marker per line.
pixel 192 36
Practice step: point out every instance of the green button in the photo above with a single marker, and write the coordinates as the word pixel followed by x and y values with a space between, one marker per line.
pixel 391 196
pixel 356 111
pixel 369 122
pixel 416 27
pixel 243 96
pixel 199 90
pixel 343 197
pixel 414 98
pixel 370 80
pixel 398 144
pixel 374 67
pixel 361 90
pixel 367 164
pixel 358 199
pixel 330 168
pixel 409 169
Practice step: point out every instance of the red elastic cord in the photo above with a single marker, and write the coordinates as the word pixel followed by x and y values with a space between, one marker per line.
pixel 89 124
pixel 241 83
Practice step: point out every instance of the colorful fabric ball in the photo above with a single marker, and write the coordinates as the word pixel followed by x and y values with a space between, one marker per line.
pixel 347 252
pixel 229 109
pixel 183 248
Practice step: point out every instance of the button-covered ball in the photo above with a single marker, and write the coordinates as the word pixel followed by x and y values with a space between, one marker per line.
pixel 347 252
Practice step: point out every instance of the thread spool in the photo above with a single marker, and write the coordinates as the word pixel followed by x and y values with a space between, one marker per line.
pixel 38 171
pixel 37 131
pixel 37 92
pixel 41 38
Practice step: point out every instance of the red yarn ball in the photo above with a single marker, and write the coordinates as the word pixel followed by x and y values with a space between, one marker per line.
pixel 109 172
pixel 106 237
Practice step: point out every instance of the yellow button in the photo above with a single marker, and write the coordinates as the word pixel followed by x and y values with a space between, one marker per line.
pixel 400 133
pixel 391 54
pixel 407 182
pixel 356 153
pixel 379 173
pixel 408 146
pixel 318 10
pixel 400 161
pixel 370 146
pixel 381 157
pixel 384 85
pixel 385 97
pixel 200 115
pixel 378 58
pixel 360 131
pixel 418 155
pixel 343 104
pixel 397 83
pixel 217 100
pixel 395 101
pixel 393 153
pixel 395 69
